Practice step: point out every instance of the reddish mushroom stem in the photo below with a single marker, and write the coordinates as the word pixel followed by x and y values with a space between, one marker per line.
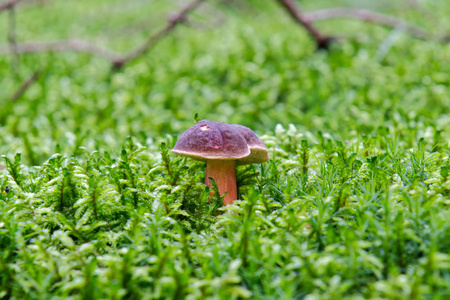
pixel 224 173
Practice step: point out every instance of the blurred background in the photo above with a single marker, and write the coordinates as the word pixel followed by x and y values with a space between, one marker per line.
pixel 245 62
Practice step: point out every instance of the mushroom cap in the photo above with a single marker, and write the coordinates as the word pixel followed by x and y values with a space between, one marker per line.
pixel 215 140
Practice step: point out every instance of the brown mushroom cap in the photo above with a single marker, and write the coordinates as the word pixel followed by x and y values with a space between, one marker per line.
pixel 215 140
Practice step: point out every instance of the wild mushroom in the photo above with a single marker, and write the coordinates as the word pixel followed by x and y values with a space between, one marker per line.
pixel 223 147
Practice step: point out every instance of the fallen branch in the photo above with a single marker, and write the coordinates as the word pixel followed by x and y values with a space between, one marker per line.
pixel 12 38
pixel 8 4
pixel 147 45
pixel 24 86
pixel 117 60
pixel 322 41
pixel 304 19
pixel 367 16
pixel 63 46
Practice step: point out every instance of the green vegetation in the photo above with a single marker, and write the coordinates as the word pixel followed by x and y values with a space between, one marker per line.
pixel 354 203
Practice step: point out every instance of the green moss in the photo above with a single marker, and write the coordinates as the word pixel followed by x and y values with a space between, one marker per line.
pixel 353 204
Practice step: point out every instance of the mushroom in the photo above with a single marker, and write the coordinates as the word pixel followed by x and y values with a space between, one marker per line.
pixel 223 147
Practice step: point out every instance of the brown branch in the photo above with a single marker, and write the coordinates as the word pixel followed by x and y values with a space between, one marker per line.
pixel 24 86
pixel 322 41
pixel 173 21
pixel 367 16
pixel 8 4
pixel 12 40
pixel 63 46
pixel 117 60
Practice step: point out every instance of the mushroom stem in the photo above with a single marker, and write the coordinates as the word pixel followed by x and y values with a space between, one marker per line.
pixel 224 173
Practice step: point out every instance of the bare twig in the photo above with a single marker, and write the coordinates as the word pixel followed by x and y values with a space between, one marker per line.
pixel 8 4
pixel 62 46
pixel 304 19
pixel 24 86
pixel 117 59
pixel 367 16
pixel 151 41
pixel 12 38
pixel 322 41
pixel 28 3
